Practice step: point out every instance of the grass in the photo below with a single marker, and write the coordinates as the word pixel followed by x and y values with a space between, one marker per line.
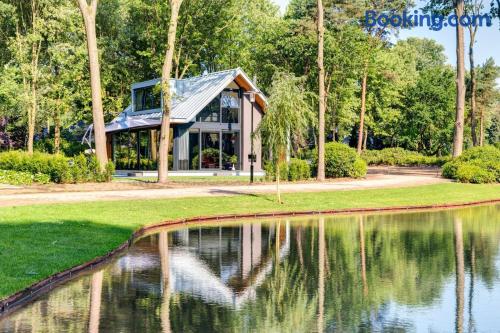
pixel 38 241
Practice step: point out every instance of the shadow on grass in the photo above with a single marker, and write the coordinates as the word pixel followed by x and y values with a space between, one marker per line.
pixel 31 251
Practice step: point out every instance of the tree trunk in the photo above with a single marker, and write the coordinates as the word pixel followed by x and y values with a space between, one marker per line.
pixel 321 68
pixel 459 275
pixel 473 106
pixel 363 109
pixel 481 128
pixel 57 134
pixel 363 255
pixel 278 181
pixel 365 138
pixel 95 302
pixel 167 99
pixel 458 136
pixel 165 283
pixel 321 274
pixel 89 14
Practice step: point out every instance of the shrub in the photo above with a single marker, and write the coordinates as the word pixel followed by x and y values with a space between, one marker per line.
pixel 475 165
pixel 58 168
pixel 341 161
pixel 22 178
pixel 400 157
pixel 298 170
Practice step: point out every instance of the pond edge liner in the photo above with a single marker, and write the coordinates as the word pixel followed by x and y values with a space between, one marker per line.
pixel 24 296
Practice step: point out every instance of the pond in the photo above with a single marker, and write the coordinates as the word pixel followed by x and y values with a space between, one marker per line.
pixel 422 271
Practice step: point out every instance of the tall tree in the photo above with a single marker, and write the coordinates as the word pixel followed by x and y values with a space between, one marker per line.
pixel 322 94
pixel 458 135
pixel 89 11
pixel 165 88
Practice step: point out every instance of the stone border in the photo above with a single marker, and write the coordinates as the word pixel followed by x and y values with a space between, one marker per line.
pixel 22 297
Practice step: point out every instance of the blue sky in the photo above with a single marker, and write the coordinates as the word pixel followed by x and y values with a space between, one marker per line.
pixel 487 39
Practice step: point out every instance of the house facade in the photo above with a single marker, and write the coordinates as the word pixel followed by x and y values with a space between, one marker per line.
pixel 212 120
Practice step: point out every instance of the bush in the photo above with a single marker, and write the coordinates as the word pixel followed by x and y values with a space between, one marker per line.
pixel 22 178
pixel 475 165
pixel 296 169
pixel 58 168
pixel 341 161
pixel 401 157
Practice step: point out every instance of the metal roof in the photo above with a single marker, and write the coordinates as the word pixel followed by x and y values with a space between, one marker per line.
pixel 189 97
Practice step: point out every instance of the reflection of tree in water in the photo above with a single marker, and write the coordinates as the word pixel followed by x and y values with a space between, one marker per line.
pixel 369 262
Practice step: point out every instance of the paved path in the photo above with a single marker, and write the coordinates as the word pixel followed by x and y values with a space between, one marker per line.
pixel 379 180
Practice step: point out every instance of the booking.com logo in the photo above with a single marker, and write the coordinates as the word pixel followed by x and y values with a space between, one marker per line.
pixel 432 21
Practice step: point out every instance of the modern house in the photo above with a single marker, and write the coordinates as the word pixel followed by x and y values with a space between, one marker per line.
pixel 212 120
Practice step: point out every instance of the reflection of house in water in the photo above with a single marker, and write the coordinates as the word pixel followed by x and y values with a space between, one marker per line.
pixel 225 265
pixel 221 265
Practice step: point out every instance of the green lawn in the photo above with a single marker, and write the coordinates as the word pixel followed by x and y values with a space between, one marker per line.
pixel 37 241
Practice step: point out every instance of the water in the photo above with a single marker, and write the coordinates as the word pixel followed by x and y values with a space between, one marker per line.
pixel 417 272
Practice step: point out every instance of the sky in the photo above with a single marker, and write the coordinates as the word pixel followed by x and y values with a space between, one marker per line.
pixel 487 39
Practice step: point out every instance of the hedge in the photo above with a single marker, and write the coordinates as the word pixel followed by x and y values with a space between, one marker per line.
pixel 341 161
pixel 294 170
pixel 476 165
pixel 22 178
pixel 401 157
pixel 58 168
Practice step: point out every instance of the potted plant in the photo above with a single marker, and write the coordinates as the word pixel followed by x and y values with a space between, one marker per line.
pixel 233 160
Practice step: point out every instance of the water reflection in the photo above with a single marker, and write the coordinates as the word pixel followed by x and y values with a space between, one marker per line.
pixel 428 271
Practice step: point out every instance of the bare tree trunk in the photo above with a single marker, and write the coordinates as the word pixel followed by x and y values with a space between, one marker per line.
pixel 459 274
pixel 321 274
pixel 458 136
pixel 365 138
pixel 278 181
pixel 321 69
pixel 165 283
pixel 57 134
pixel 363 255
pixel 363 109
pixel 89 13
pixel 481 128
pixel 35 53
pixel 165 87
pixel 473 125
pixel 95 302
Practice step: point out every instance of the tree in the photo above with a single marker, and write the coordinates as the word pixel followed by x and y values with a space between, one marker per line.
pixel 488 97
pixel 165 88
pixel 458 134
pixel 286 119
pixel 89 19
pixel 322 93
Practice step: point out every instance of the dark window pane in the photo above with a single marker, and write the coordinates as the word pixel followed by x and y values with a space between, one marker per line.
pixel 230 107
pixel 194 151
pixel 147 98
pixel 230 151
pixel 210 150
pixel 211 112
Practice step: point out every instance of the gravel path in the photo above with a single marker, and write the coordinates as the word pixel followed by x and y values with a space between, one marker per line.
pixel 377 180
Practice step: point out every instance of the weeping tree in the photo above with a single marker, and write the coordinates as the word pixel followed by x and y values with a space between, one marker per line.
pixel 286 121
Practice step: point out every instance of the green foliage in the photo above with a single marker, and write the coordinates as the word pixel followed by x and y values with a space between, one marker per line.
pixel 60 169
pixel 476 165
pixel 298 170
pixel 400 157
pixel 22 178
pixel 342 161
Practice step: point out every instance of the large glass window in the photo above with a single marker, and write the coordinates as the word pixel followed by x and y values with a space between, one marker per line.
pixel 210 150
pixel 230 103
pixel 194 151
pixel 211 112
pixel 230 150
pixel 147 98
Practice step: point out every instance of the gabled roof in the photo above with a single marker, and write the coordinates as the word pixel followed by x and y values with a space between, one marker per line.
pixel 189 97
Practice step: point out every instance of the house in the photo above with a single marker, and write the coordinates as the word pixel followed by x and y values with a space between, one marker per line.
pixel 212 120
